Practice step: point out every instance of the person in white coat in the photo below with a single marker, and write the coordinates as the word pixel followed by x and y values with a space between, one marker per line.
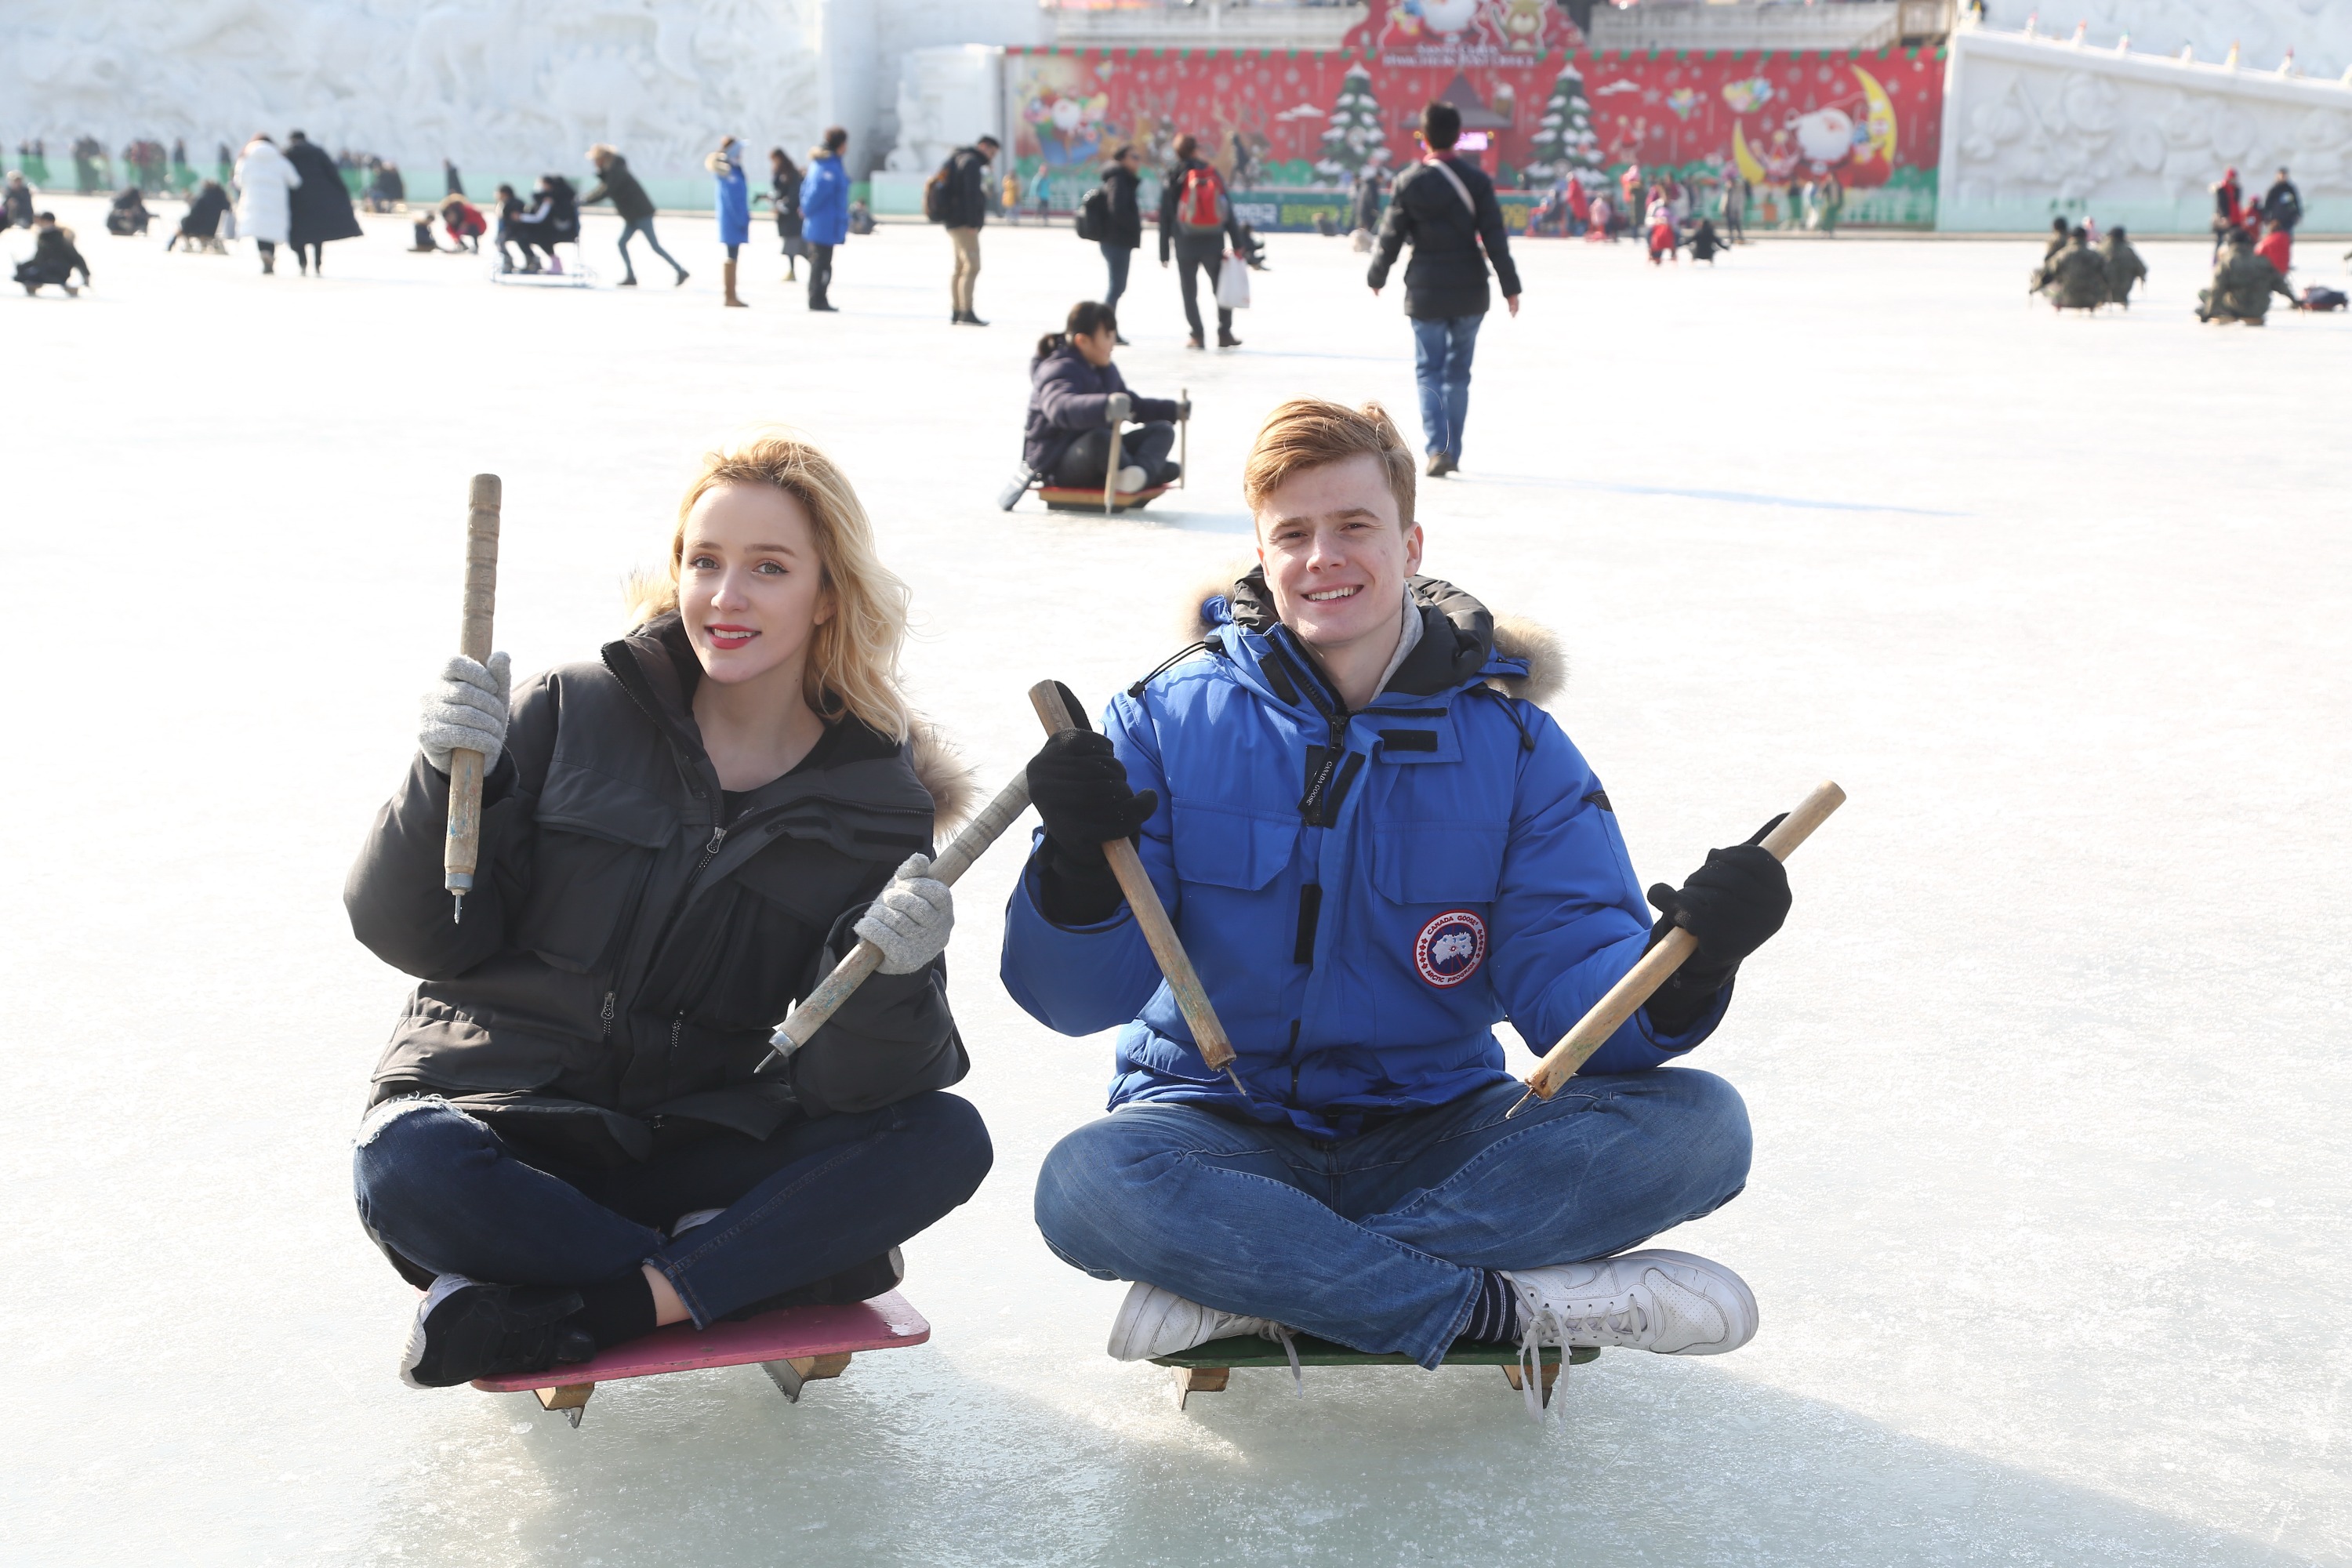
pixel 265 181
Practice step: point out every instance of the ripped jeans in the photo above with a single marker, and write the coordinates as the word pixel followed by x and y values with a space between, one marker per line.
pixel 443 1193
pixel 1378 1241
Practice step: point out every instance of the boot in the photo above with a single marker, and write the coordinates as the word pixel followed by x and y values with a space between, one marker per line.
pixel 727 276
pixel 1225 338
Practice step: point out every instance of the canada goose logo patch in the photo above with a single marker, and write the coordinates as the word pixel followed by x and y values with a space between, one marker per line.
pixel 1450 948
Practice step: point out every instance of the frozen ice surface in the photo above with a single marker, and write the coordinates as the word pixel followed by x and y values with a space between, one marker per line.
pixel 2049 1219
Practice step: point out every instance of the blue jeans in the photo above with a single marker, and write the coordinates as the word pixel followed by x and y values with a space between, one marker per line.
pixel 646 228
pixel 1115 256
pixel 1378 1241
pixel 1441 367
pixel 441 1190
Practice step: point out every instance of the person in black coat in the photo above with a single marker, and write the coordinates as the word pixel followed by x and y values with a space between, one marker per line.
pixel 1066 440
pixel 784 178
pixel 1194 232
pixel 320 208
pixel 54 258
pixel 583 1125
pixel 1123 236
pixel 2282 204
pixel 200 224
pixel 1446 210
pixel 963 208
pixel 629 200
pixel 128 214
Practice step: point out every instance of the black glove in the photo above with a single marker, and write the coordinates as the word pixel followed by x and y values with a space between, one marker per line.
pixel 1081 792
pixel 1732 904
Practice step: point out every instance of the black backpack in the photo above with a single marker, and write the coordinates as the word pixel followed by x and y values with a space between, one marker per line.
pixel 1093 221
pixel 935 193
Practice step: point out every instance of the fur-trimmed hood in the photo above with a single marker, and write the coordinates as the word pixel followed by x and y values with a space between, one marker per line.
pixel 1476 631
pixel 942 770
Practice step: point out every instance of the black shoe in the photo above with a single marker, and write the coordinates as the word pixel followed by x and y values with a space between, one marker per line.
pixel 628 282
pixel 467 1330
pixel 1193 344
pixel 1227 341
pixel 1122 343
pixel 821 305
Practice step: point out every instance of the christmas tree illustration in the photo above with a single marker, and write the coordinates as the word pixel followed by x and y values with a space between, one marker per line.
pixel 1564 141
pixel 1354 141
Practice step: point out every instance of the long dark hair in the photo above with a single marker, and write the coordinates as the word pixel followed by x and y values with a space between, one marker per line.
pixel 1088 317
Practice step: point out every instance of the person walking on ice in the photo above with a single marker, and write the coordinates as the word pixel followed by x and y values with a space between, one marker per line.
pixel 959 199
pixel 1445 209
pixel 630 202
pixel 579 1131
pixel 265 181
pixel 1375 847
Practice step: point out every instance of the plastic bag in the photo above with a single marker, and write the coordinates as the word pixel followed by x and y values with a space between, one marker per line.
pixel 1233 284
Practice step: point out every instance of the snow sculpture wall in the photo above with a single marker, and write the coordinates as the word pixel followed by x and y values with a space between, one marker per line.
pixel 506 88
pixel 947 98
pixel 2036 128
pixel 2319 31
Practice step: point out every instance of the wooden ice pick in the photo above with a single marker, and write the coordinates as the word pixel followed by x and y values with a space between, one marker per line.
pixel 1641 981
pixel 464 849
pixel 1183 984
pixel 819 1005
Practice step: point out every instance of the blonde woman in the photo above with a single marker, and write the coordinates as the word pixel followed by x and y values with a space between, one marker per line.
pixel 579 1131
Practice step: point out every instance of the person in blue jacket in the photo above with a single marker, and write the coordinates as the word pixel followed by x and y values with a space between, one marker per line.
pixel 1375 847
pixel 1066 440
pixel 732 196
pixel 825 212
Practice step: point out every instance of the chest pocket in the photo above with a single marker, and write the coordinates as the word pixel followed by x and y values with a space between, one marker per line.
pixel 813 883
pixel 1222 848
pixel 596 842
pixel 1438 862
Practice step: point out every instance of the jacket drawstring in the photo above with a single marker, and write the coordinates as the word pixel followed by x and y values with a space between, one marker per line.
pixel 1173 660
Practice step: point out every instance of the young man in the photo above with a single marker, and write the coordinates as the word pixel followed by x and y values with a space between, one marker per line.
pixel 964 207
pixel 1447 208
pixel 1196 218
pixel 1374 848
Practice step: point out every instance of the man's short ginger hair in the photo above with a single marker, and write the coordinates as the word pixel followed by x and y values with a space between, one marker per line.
pixel 1311 432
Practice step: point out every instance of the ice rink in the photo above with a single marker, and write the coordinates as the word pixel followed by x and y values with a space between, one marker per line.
pixel 2049 1221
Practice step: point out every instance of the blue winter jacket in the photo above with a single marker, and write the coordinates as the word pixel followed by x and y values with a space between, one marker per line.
pixel 1364 895
pixel 734 199
pixel 824 201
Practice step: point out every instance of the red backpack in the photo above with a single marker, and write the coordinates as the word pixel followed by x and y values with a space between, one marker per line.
pixel 1201 203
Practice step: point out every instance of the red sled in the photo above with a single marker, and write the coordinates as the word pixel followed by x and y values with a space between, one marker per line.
pixel 793 1345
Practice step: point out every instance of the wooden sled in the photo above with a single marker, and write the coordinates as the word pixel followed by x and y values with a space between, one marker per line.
pixel 1058 499
pixel 793 1345
pixel 1204 1369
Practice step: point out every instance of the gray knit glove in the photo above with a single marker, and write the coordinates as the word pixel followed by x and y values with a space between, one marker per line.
pixel 911 921
pixel 466 708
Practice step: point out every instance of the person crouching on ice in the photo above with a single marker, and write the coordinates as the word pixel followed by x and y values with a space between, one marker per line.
pixel 1066 440
pixel 578 1132
pixel 1375 847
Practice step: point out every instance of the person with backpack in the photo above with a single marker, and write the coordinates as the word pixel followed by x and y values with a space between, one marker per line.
pixel 1446 208
pixel 825 212
pixel 957 196
pixel 1112 217
pixel 634 208
pixel 1195 215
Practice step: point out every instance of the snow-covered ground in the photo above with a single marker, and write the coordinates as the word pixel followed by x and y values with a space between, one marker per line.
pixel 2049 1218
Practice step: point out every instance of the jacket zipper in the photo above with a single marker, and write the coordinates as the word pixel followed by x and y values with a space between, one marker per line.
pixel 607 1016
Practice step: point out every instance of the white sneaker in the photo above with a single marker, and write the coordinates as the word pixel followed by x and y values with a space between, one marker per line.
pixel 1153 1321
pixel 1131 477
pixel 1671 1302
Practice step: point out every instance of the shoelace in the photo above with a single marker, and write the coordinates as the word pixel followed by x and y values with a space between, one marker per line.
pixel 1623 1323
pixel 1290 1348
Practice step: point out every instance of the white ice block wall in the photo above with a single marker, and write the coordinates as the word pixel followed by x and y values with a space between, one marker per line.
pixel 2039 127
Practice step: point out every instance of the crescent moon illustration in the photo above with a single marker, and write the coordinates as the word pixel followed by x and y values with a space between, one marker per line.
pixel 1880 118
pixel 1749 168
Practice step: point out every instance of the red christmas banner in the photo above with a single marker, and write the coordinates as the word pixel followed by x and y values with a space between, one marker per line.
pixel 1537 107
